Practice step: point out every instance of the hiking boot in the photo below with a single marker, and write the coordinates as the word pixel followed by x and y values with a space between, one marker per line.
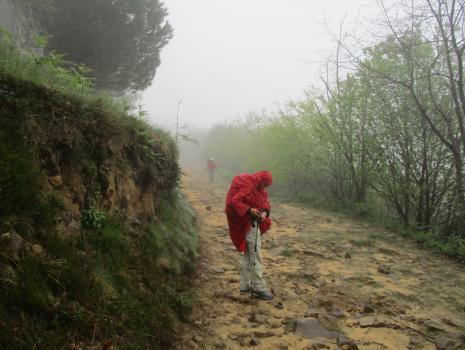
pixel 246 290
pixel 264 295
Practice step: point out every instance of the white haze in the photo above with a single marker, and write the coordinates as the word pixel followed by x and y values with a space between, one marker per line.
pixel 231 57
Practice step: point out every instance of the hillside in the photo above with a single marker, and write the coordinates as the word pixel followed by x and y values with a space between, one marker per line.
pixel 96 241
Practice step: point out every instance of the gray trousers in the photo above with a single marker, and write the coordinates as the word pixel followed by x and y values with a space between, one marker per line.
pixel 248 271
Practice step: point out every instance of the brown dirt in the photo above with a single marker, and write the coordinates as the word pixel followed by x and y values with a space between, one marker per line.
pixel 419 300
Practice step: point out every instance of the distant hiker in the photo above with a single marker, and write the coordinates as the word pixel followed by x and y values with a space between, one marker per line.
pixel 247 205
pixel 211 167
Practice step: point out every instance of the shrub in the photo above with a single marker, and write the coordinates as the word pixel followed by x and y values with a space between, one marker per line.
pixel 93 218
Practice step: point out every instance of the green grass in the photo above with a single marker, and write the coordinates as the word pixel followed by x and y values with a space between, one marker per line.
pixel 104 278
pixel 362 242
pixel 54 72
pixel 171 245
pixel 287 252
pixel 377 235
pixel 23 204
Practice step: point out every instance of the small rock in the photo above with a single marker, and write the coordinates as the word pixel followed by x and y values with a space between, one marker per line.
pixel 218 270
pixel 55 181
pixel 254 342
pixel 384 270
pixel 335 312
pixel 348 255
pixel 310 275
pixel 313 253
pixel 291 295
pixel 346 343
pixel 371 321
pixel 312 313
pixel 287 320
pixel 258 318
pixel 312 328
pixel 235 321
pixel 445 344
pixel 368 309
pixel 433 326
pixel 351 323
pixel 273 323
pixel 198 339
pixel 220 345
pixel 192 345
pixel 366 321
pixel 209 208
pixel 264 334
pixel 325 303
pixel 37 250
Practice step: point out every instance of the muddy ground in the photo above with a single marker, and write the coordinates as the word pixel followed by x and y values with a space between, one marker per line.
pixel 339 283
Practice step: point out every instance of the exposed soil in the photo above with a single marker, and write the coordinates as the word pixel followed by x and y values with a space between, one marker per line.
pixel 331 275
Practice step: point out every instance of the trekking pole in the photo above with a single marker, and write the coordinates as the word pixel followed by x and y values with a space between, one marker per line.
pixel 254 257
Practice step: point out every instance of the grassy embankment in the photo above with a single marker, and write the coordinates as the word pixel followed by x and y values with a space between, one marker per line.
pixel 114 280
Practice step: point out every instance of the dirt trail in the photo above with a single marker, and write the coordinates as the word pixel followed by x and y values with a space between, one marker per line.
pixel 358 280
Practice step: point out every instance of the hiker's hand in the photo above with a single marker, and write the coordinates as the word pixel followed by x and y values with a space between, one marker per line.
pixel 255 213
pixel 263 215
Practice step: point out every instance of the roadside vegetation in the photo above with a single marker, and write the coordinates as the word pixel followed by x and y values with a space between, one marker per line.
pixel 112 280
pixel 384 138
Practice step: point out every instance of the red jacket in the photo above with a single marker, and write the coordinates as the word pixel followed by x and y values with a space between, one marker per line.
pixel 243 195
pixel 211 165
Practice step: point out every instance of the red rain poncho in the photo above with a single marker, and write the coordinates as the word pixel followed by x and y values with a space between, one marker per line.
pixel 243 195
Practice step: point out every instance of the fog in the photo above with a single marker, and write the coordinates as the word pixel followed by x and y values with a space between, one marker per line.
pixel 231 57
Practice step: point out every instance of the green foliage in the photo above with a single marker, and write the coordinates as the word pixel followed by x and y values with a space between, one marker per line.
pixel 93 218
pixel 362 242
pixel 173 252
pixel 23 206
pixel 287 252
pixel 380 143
pixel 120 41
pixel 18 185
pixel 54 72
pixel 108 277
pixel 377 235
pixel 452 246
pixel 110 238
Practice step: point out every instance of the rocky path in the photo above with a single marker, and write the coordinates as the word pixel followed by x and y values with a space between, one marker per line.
pixel 339 284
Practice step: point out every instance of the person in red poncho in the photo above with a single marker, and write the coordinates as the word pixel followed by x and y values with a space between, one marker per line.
pixel 211 167
pixel 247 204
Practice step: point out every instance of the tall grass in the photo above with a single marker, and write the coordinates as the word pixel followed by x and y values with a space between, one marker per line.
pixel 53 71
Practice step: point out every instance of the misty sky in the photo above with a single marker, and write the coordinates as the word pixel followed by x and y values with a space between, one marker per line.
pixel 230 57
